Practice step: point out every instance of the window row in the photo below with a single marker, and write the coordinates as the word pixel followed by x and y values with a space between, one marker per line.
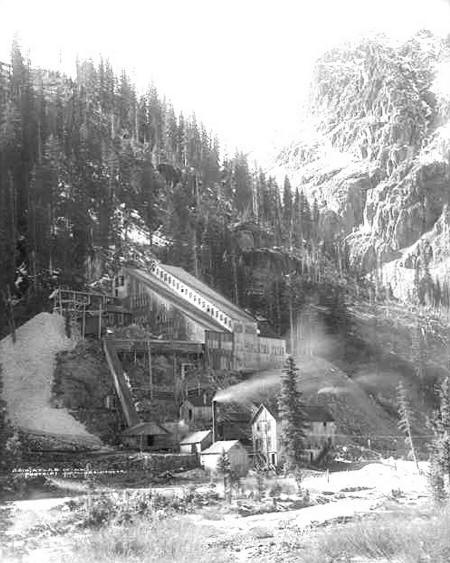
pixel 196 299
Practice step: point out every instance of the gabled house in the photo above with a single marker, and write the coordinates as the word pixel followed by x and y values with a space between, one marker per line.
pixel 148 436
pixel 266 434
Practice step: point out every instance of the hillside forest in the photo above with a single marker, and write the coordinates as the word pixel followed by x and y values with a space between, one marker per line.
pixel 87 162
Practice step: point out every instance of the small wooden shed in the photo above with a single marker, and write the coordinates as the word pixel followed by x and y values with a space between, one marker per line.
pixel 237 454
pixel 196 442
pixel 196 409
pixel 147 436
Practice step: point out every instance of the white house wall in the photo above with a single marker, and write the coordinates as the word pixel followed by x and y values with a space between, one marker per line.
pixel 264 433
pixel 237 455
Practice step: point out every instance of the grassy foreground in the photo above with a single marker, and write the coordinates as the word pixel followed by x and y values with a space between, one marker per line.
pixel 403 537
pixel 149 540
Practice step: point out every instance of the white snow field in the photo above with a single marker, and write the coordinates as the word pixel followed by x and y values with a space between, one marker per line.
pixel 27 373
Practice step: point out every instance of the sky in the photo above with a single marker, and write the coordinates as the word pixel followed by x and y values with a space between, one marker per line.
pixel 243 66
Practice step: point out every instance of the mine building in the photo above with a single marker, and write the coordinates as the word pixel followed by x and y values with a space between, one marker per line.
pixel 162 330
pixel 170 302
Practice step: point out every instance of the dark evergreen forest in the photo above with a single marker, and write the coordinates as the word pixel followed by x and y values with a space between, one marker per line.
pixel 84 159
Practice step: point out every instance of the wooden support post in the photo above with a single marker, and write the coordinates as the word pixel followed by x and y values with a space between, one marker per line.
pixel 174 370
pixel 150 373
pixel 83 322
pixel 176 398
pixel 100 323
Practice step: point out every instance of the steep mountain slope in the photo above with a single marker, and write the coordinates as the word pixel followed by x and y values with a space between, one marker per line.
pixel 27 374
pixel 358 415
pixel 375 153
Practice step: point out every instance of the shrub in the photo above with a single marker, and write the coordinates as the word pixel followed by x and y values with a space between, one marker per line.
pixel 150 540
pixel 275 490
pixel 96 511
pixel 260 486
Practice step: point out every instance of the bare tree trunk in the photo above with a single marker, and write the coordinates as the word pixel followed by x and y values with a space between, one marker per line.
pixel 194 251
pixel 411 444
pixel 235 281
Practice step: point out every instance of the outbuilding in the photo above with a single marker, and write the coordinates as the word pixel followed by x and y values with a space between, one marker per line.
pixel 196 442
pixel 237 455
pixel 196 409
pixel 148 436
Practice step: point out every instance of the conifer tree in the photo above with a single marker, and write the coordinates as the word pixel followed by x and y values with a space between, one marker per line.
pixel 292 416
pixel 315 217
pixel 439 475
pixel 406 418
pixel 297 220
pixel 288 207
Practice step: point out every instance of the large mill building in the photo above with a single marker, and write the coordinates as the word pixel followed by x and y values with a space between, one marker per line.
pixel 174 305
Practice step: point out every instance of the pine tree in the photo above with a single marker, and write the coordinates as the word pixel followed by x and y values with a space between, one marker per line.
pixel 315 218
pixel 306 220
pixel 297 221
pixel 293 420
pixel 439 475
pixel 406 418
pixel 288 208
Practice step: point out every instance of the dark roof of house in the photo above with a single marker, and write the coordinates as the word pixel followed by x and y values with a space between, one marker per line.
pixel 197 401
pixel 229 308
pixel 184 306
pixel 314 413
pixel 145 429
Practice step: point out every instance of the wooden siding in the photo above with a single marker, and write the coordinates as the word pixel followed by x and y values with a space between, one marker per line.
pixel 219 349
pixel 158 314
pixel 257 352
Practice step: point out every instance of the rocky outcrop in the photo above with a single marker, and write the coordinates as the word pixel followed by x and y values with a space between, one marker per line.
pixel 378 162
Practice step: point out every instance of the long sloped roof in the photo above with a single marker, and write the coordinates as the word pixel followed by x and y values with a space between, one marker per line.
pixel 144 429
pixel 225 304
pixel 187 308
pixel 195 437
pixel 220 447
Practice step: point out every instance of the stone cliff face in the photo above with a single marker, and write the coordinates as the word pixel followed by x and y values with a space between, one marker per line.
pixel 375 153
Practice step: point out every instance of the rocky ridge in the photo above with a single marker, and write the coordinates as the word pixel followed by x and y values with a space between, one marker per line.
pixel 375 153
